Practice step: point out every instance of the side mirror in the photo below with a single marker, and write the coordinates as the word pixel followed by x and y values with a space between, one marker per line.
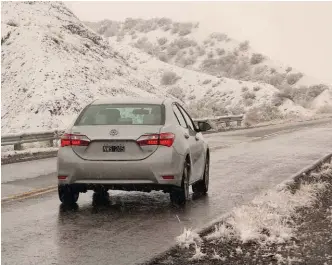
pixel 203 126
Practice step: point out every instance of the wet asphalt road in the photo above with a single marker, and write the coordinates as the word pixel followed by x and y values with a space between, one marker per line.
pixel 135 226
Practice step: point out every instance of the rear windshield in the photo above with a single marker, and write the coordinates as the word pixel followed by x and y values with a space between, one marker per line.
pixel 122 114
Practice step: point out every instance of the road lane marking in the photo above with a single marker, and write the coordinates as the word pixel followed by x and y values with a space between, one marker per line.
pixel 29 194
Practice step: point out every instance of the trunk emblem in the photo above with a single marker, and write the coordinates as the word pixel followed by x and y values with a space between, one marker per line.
pixel 114 132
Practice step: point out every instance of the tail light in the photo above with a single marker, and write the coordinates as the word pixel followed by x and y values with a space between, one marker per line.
pixel 165 139
pixel 74 140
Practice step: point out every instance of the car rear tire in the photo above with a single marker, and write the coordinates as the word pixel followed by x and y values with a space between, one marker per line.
pixel 202 186
pixel 100 196
pixel 67 194
pixel 179 196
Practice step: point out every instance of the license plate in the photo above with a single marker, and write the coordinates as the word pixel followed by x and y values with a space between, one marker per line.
pixel 113 148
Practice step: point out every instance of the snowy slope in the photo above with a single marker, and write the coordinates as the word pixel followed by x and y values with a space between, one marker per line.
pixel 188 45
pixel 206 95
pixel 52 65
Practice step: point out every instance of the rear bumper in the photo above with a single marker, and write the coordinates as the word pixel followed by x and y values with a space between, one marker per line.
pixel 164 161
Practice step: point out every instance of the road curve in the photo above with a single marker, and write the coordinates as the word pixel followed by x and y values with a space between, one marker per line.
pixel 135 226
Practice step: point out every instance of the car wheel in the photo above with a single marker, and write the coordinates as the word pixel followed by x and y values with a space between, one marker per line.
pixel 202 186
pixel 68 194
pixel 180 195
pixel 100 196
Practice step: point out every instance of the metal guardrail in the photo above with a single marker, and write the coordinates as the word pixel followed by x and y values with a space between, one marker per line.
pixel 18 139
pixel 223 119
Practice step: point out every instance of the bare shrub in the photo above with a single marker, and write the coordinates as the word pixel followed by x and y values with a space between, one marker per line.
pixel 169 78
pixel 220 51
pixel 133 37
pixel 260 70
pixel 240 70
pixel 256 58
pixel 261 114
pixel 276 79
pixel 244 89
pixel 216 84
pixel 316 90
pixel 201 51
pixel 184 32
pixel 248 102
pixel 119 38
pixel 244 46
pixel 257 88
pixel 162 41
pixel 172 50
pixel 219 36
pixel 210 54
pixel 167 27
pixel 146 46
pixel 207 81
pixel 163 57
pixel 289 69
pixel 192 97
pixel 273 70
pixel 184 43
pixel 225 65
pixel 277 99
pixel 176 92
pixel 189 60
pixel 191 51
pixel 248 95
pixel 12 23
pixel 236 110
pixel 164 21
pixel 292 79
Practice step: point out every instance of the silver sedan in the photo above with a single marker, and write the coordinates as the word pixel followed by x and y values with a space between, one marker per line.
pixel 133 144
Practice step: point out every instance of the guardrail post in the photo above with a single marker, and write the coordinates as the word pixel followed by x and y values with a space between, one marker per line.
pixel 239 123
pixel 51 143
pixel 228 123
pixel 18 147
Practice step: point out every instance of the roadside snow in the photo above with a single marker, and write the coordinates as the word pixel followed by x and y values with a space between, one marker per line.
pixel 187 238
pixel 267 220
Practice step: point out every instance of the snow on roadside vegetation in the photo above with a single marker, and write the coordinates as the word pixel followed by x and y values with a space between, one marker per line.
pixel 268 219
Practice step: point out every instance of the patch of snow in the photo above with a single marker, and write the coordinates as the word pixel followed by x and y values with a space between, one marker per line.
pixel 28 151
pixel 268 218
pixel 323 100
pixel 216 256
pixel 198 254
pixel 187 238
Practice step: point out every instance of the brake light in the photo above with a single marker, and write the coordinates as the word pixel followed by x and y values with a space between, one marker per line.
pixel 165 139
pixel 74 140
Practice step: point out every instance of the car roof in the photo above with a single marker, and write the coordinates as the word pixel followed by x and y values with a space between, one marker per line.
pixel 129 100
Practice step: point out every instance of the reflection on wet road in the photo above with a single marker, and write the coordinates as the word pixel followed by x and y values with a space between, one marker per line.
pixel 131 227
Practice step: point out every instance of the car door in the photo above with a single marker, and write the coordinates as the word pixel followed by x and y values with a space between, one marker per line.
pixel 198 145
pixel 189 137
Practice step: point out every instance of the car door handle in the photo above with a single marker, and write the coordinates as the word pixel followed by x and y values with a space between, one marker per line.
pixel 186 136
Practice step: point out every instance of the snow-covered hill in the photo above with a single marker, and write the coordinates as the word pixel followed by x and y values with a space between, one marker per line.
pixel 52 65
pixel 190 46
